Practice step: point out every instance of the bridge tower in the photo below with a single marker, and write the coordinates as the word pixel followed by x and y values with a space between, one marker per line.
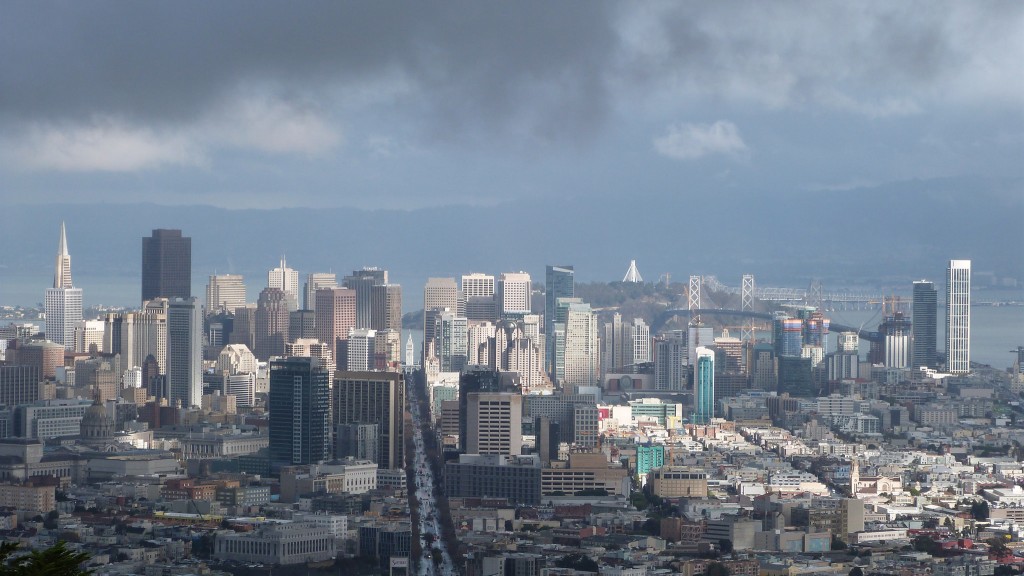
pixel 693 300
pixel 747 305
pixel 814 294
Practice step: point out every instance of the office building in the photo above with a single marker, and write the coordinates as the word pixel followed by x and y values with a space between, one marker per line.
pixel 224 293
pixel 476 380
pixel 896 331
pixel 243 329
pixel 20 385
pixel 513 294
pixel 314 282
pixel 438 294
pixel 361 350
pixel 63 302
pixel 286 280
pixel 478 292
pixel 301 324
pixel 280 544
pixel 89 337
pixel 166 265
pixel 335 317
pixel 362 282
pixel 925 326
pixel 494 423
pixel 299 411
pixel 374 398
pixel 704 386
pixel 185 351
pixel 788 337
pixel 518 348
pixel 958 317
pixel 312 348
pixel 272 320
pixel 386 304
pixel 494 476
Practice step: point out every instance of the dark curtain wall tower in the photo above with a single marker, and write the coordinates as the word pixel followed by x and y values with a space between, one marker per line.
pixel 166 265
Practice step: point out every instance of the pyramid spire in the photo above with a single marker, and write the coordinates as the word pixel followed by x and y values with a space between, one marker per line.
pixel 62 268
pixel 632 275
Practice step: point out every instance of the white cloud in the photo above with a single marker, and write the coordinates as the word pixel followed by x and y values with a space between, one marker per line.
pixel 113 144
pixel 271 125
pixel 692 141
pixel 101 145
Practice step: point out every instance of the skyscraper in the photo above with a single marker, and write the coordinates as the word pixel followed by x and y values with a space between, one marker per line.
pixel 958 317
pixel 374 398
pixel 185 351
pixel 363 281
pixel 494 423
pixel 272 323
pixel 558 283
pixel 335 316
pixel 299 411
pixel 451 340
pixel 314 282
pixel 513 294
pixel 63 302
pixel 704 386
pixel 581 345
pixel 166 265
pixel 478 291
pixel 387 307
pixel 287 280
pixel 925 325
pixel 438 294
pixel 224 293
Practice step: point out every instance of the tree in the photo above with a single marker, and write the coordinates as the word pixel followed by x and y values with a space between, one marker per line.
pixel 716 569
pixel 577 561
pixel 56 560
pixel 837 543
pixel 856 571
pixel 725 546
pixel 979 510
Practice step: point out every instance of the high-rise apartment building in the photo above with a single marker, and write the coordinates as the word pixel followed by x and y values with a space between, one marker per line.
pixel 513 294
pixel 559 282
pixel 363 281
pixel 670 360
pixel 704 386
pixel 185 351
pixel 581 356
pixel 896 330
pixel 958 317
pixel 451 341
pixel 287 280
pixel 335 317
pixel 314 282
pixel 925 325
pixel 374 398
pixel 478 291
pixel 224 293
pixel 386 303
pixel 299 411
pixel 63 302
pixel 272 320
pixel 166 265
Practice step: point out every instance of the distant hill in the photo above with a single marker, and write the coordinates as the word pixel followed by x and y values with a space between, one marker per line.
pixel 874 236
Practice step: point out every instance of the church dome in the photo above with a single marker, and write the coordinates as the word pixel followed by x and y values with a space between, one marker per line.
pixel 96 423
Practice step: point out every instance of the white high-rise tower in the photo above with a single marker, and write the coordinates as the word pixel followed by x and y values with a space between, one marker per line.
pixel 63 303
pixel 958 317
pixel 287 280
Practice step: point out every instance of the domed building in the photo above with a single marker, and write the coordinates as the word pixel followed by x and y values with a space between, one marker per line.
pixel 97 425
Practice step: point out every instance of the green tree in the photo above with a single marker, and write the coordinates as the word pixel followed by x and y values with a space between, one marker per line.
pixel 56 560
pixel 837 543
pixel 716 569
pixel 577 561
pixel 979 510
pixel 856 571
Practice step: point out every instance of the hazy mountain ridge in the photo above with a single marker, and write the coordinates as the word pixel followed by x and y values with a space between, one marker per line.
pixel 897 231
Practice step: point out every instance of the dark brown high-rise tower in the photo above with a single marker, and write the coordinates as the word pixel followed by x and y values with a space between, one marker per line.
pixel 166 265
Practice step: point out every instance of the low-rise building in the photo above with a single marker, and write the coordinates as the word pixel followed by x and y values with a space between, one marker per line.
pixel 283 544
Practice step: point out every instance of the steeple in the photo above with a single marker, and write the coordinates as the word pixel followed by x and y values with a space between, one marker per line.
pixel 62 269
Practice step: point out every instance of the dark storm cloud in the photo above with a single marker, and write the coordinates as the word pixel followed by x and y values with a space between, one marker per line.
pixel 170 61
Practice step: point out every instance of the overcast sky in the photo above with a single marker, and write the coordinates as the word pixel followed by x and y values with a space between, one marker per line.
pixel 384 105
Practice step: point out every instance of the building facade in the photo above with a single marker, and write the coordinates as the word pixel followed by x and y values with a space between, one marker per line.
pixel 166 265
